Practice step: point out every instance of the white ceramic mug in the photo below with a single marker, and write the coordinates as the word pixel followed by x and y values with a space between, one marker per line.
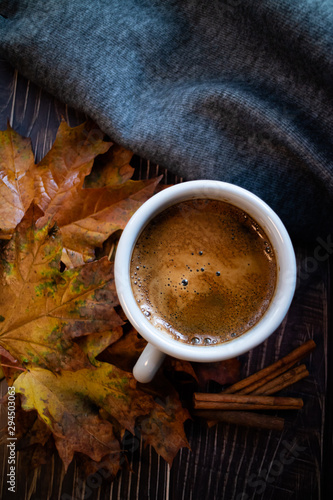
pixel 159 343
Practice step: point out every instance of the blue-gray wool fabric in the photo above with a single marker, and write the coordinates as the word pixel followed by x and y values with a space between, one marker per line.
pixel 234 90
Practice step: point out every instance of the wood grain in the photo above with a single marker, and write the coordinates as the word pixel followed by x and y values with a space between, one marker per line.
pixel 226 461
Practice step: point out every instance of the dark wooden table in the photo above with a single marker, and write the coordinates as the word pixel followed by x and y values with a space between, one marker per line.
pixel 226 461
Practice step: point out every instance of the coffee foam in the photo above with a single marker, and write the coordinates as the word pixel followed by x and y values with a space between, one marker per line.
pixel 203 271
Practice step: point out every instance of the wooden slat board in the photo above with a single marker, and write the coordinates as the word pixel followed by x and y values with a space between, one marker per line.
pixel 225 462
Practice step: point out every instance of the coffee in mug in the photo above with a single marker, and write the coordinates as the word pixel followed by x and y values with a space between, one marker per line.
pixel 203 271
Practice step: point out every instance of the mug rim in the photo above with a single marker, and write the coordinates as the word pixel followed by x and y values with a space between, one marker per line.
pixel 262 214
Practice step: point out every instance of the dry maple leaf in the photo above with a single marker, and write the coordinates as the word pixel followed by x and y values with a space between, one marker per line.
pixel 165 432
pixel 87 215
pixel 68 404
pixel 163 428
pixel 222 372
pixel 62 171
pixel 110 168
pixel 43 309
pixel 126 351
pixel 64 167
pixel 95 343
pixel 64 402
pixel 180 366
pixel 16 180
pixel 94 214
pixel 104 386
pixel 88 206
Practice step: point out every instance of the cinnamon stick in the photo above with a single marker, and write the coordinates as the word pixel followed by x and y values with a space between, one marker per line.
pixel 243 418
pixel 268 381
pixel 288 378
pixel 256 385
pixel 201 399
pixel 263 376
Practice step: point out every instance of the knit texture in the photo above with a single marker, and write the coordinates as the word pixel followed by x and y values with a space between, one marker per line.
pixel 235 90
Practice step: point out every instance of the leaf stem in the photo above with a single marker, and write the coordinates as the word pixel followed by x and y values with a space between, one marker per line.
pixel 12 366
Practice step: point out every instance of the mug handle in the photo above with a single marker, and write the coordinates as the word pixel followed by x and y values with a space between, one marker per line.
pixel 148 364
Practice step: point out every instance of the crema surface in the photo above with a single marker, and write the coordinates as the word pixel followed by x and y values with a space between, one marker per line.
pixel 203 271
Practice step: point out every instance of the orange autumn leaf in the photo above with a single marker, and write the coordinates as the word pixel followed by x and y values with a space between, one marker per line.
pixel 62 171
pixel 95 343
pixel 95 214
pixel 181 366
pixel 65 166
pixel 16 180
pixel 42 309
pixel 222 372
pixel 164 429
pixel 88 205
pixel 111 168
pixel 126 351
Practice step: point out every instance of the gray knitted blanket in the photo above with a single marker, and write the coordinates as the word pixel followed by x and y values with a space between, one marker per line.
pixel 236 90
